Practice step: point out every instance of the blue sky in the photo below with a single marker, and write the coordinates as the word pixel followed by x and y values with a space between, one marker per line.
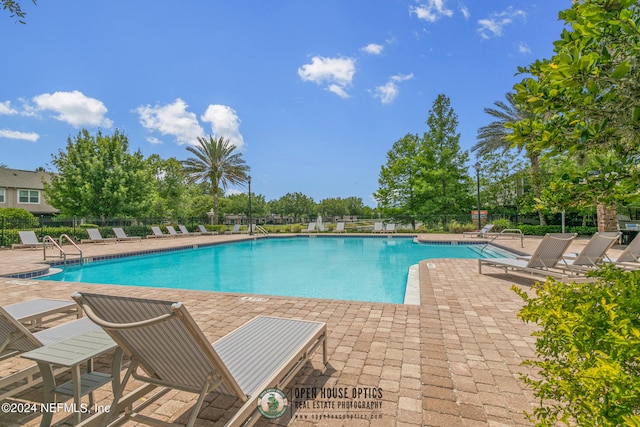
pixel 313 93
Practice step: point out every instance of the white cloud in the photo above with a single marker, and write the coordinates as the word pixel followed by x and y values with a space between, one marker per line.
pixel 336 72
pixel 389 91
pixel 373 49
pixel 153 140
pixel 74 108
pixel 14 134
pixel 5 109
pixel 338 90
pixel 171 119
pixel 465 11
pixel 493 26
pixel 225 123
pixel 233 192
pixel 431 11
pixel 524 48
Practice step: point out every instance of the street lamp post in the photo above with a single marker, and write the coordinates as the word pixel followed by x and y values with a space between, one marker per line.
pixel 477 166
pixel 250 226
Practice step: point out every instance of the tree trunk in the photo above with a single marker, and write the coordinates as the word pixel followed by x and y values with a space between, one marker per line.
pixel 536 182
pixel 607 217
pixel 215 206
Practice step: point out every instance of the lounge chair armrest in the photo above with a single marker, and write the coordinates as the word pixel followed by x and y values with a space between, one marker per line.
pixel 110 325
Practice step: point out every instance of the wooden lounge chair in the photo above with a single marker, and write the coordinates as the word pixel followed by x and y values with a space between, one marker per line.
pixel 96 237
pixel 544 261
pixel 16 339
pixel 32 313
pixel 167 349
pixel 121 236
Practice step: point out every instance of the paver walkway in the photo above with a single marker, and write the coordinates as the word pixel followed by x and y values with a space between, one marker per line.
pixel 453 360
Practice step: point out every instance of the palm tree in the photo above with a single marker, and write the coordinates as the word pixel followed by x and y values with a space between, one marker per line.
pixel 215 163
pixel 493 137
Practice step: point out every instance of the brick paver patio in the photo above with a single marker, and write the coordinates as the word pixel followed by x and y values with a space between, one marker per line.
pixel 453 360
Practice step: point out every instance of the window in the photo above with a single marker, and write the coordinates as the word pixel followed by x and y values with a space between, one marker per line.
pixel 29 196
pixel 2 195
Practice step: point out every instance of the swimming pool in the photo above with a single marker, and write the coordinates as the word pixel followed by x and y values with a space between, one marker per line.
pixel 349 268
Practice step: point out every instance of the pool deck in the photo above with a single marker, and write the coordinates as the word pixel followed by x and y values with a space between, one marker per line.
pixel 453 360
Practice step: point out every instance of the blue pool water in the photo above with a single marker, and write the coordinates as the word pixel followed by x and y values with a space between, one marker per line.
pixel 348 268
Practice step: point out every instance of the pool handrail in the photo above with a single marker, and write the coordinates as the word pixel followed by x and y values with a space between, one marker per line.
pixel 58 245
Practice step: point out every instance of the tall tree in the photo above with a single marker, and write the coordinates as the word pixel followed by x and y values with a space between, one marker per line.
pixel 494 137
pixel 216 162
pixel 426 176
pixel 296 205
pixel 397 193
pixel 444 181
pixel 98 177
pixel 588 93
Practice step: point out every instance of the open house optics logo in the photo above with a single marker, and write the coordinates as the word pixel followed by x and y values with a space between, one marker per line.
pixel 272 403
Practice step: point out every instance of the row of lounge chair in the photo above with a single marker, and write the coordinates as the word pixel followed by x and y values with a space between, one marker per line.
pixel 378 227
pixel 28 238
pixel 551 258
pixel 168 350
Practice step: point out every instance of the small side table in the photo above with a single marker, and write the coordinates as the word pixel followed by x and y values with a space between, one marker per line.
pixel 71 353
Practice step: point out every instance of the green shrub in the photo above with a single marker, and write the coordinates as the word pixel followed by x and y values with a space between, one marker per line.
pixel 501 224
pixel 538 230
pixel 18 218
pixel 588 349
pixel 456 227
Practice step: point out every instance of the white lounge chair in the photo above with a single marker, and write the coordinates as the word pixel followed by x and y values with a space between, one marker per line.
pixel 157 233
pixel 31 313
pixel 121 236
pixel 543 261
pixel 377 227
pixel 311 228
pixel 173 233
pixel 205 232
pixel 167 349
pixel 96 237
pixel 235 229
pixel 186 232
pixel 339 228
pixel 594 252
pixel 28 239
pixel 390 228
pixel 15 338
pixel 480 233
pixel 630 255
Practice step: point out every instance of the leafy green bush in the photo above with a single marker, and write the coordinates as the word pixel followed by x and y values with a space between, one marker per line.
pixel 588 350
pixel 18 218
pixel 541 230
pixel 501 224
pixel 456 227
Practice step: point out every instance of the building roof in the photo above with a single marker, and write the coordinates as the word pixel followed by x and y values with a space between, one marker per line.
pixel 15 178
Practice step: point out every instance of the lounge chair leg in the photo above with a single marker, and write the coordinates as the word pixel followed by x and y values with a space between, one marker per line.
pixel 198 405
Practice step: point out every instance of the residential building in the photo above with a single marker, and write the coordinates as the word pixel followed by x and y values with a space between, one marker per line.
pixel 24 190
